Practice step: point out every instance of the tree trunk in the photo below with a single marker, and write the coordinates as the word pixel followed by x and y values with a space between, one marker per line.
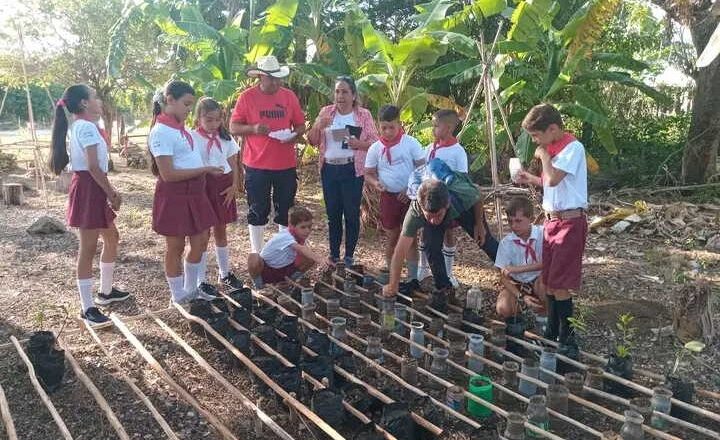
pixel 701 151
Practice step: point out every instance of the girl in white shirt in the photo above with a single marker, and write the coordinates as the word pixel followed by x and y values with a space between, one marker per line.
pixel 181 207
pixel 218 148
pixel 92 200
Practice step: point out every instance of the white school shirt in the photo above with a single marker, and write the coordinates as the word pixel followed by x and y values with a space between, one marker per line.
pixel 215 157
pixel 394 176
pixel 571 192
pixel 85 134
pixel 454 156
pixel 278 251
pixel 333 148
pixel 168 141
pixel 510 253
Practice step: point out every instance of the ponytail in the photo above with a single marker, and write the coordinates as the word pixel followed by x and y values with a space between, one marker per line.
pixel 176 89
pixel 71 102
pixel 156 110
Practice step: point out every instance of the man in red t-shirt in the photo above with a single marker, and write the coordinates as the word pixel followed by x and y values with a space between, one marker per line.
pixel 269 118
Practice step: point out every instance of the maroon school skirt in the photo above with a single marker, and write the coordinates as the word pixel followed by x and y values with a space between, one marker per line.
pixel 88 206
pixel 182 209
pixel 216 185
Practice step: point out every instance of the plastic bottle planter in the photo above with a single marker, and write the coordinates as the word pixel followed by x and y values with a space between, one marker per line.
pixel 306 296
pixel 529 368
pixel 660 403
pixel 368 281
pixel 499 339
pixel 632 428
pixel 439 362
pixel 574 381
pixel 454 398
pixel 384 276
pixel 540 324
pixel 548 361
pixel 332 306
pixel 363 325
pixel 480 386
pixel 408 370
pixel 537 414
pixel 455 320
pixel 418 304
pixel 374 349
pixel 286 302
pixel 473 299
pixel 349 284
pixel 338 325
pixel 457 354
pixel 352 301
pixel 340 269
pixel 387 314
pixel 515 426
pixel 476 346
pixel 594 378
pixel 642 405
pixel 400 318
pixel 509 379
pixel 557 398
pixel 308 313
pixel 437 326
pixel 418 336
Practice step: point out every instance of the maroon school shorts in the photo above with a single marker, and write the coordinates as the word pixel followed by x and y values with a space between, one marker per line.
pixel 88 206
pixel 216 185
pixel 182 209
pixel 563 248
pixel 392 210
pixel 272 275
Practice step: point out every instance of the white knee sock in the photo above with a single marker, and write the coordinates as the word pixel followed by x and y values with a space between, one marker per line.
pixel 202 269
pixel 176 288
pixel 223 260
pixel 191 276
pixel 423 265
pixel 449 254
pixel 106 277
pixel 256 238
pixel 86 295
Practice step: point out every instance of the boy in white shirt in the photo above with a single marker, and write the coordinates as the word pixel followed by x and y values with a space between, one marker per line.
pixel 446 148
pixel 285 254
pixel 519 259
pixel 564 183
pixel 388 165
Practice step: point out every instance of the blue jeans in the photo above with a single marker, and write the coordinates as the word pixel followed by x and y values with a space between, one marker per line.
pixel 342 192
pixel 433 238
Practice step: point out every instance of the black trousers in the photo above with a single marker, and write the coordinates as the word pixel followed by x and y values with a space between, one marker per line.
pixel 260 185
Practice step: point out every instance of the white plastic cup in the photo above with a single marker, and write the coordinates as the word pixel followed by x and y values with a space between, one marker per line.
pixel 515 167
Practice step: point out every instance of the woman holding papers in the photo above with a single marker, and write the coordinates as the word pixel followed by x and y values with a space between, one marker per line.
pixel 343 132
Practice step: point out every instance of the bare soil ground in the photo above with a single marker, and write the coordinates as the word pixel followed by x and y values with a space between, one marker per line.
pixel 623 274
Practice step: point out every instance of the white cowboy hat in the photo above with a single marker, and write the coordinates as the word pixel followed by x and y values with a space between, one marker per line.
pixel 269 65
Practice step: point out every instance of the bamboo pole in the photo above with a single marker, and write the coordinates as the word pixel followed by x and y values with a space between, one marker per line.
pixel 6 416
pixel 302 409
pixel 41 392
pixel 212 419
pixel 109 413
pixel 129 382
pixel 232 389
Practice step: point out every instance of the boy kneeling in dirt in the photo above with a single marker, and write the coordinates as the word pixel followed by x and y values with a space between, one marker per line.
pixel 285 254
pixel 519 258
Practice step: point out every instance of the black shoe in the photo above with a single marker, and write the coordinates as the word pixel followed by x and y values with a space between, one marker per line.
pixel 232 281
pixel 409 287
pixel 115 295
pixel 207 291
pixel 94 316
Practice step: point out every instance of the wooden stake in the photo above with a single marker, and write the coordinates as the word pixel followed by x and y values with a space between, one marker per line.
pixel 247 403
pixel 6 416
pixel 13 194
pixel 212 419
pixel 129 382
pixel 112 418
pixel 41 392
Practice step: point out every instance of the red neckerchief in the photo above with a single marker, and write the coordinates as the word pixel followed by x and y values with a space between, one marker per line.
pixel 296 235
pixel 213 139
pixel 529 249
pixel 389 143
pixel 442 144
pixel 556 147
pixel 102 131
pixel 173 123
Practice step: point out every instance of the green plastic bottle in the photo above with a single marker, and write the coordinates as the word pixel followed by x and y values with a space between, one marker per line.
pixel 480 386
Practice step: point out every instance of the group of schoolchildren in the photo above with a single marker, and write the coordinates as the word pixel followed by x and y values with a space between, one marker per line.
pixel 196 189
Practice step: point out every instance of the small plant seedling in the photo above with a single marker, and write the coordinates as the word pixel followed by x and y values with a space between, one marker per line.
pixel 623 346
pixel 689 348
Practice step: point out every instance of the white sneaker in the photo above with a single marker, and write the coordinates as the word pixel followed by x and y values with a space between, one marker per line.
pixel 455 283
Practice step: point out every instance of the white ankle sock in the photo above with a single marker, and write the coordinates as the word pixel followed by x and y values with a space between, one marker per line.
pixel 106 277
pixel 223 260
pixel 202 269
pixel 191 276
pixel 176 287
pixel 256 238
pixel 86 295
pixel 449 254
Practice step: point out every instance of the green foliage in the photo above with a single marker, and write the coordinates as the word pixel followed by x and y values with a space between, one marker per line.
pixel 16 103
pixel 625 340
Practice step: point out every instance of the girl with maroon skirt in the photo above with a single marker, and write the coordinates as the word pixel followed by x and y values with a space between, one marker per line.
pixel 218 148
pixel 181 208
pixel 92 200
